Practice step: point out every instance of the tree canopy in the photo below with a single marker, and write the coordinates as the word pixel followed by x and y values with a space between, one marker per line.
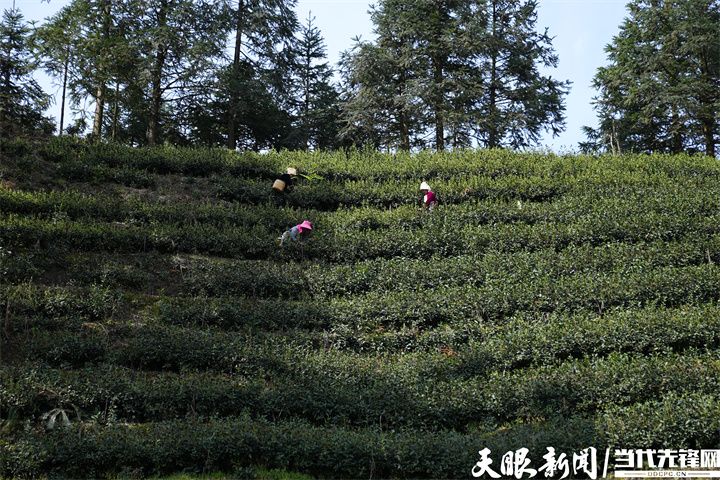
pixel 22 101
pixel 661 89
pixel 453 73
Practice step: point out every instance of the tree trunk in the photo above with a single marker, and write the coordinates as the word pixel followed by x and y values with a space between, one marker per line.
pixel 677 142
pixel 306 114
pixel 402 115
pixel 101 89
pixel 493 140
pixel 708 126
pixel 234 94
pixel 155 98
pixel 115 111
pixel 708 119
pixel 153 126
pixel 492 126
pixel 64 90
pixel 404 133
pixel 4 102
pixel 306 101
pixel 99 109
pixel 439 121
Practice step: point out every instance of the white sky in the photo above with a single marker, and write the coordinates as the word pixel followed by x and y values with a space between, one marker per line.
pixel 581 29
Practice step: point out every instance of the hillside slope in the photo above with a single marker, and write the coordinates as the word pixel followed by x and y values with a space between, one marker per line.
pixel 549 301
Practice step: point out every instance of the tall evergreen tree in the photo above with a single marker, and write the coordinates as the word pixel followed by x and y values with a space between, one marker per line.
pixel 89 48
pixel 181 41
pixel 661 90
pixel 261 123
pixel 433 27
pixel 147 60
pixel 316 123
pixel 263 38
pixel 518 102
pixel 249 102
pixel 379 104
pixel 22 101
pixel 463 71
pixel 418 67
pixel 56 44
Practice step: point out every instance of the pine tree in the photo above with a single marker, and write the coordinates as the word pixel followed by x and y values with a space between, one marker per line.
pixel 143 63
pixel 518 103
pixel 378 106
pixel 88 47
pixel 22 101
pixel 56 44
pixel 263 44
pixel 261 123
pixel 455 73
pixel 181 41
pixel 316 123
pixel 661 91
pixel 382 83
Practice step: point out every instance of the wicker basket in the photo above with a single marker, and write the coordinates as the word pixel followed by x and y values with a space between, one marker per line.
pixel 279 185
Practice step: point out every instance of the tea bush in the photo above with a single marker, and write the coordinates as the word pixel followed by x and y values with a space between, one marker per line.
pixel 564 301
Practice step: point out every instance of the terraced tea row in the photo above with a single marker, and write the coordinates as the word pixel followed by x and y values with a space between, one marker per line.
pixel 371 165
pixel 347 245
pixel 474 348
pixel 163 447
pixel 322 390
pixel 208 276
pixel 76 205
pixel 492 301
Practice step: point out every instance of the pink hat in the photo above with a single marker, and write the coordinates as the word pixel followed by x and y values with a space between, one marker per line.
pixel 305 225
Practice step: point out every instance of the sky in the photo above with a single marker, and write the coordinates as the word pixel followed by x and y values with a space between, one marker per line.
pixel 581 30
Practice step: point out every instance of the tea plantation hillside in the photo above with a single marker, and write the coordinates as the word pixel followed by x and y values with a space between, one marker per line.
pixel 151 324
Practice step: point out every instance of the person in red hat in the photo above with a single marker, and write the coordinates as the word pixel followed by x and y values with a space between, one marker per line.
pixel 298 232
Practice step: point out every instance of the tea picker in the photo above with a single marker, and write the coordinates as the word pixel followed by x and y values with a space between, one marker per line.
pixel 297 233
pixel 284 185
pixel 429 200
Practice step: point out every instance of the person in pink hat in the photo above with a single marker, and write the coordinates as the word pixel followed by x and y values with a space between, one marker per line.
pixel 298 232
